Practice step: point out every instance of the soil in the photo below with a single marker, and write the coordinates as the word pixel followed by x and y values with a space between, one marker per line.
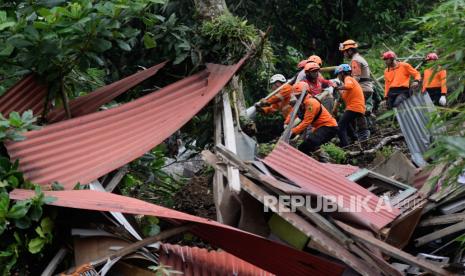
pixel 365 160
pixel 196 197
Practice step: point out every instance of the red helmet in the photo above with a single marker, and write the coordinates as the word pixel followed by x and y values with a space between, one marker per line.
pixel 302 64
pixel 389 55
pixel 432 56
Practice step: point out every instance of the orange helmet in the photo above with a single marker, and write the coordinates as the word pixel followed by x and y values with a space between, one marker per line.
pixel 312 66
pixel 348 44
pixel 316 59
pixel 302 63
pixel 299 87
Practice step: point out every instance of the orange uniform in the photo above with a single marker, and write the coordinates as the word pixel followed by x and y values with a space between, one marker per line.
pixel 399 76
pixel 280 101
pixel 353 95
pixel 312 108
pixel 438 80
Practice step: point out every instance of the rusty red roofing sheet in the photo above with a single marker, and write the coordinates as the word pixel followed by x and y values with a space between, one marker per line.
pixel 344 170
pixel 26 94
pixel 85 148
pixel 311 175
pixel 268 255
pixel 91 102
pixel 194 261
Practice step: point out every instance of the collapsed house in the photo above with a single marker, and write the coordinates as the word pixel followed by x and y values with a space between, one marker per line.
pixel 271 240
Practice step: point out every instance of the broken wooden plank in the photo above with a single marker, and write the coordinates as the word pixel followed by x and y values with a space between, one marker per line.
pixel 446 219
pixel 255 173
pixel 440 233
pixel 393 251
pixel 59 256
pixel 402 228
pixel 230 142
pixel 116 178
pixel 139 244
pixel 328 245
pixel 218 181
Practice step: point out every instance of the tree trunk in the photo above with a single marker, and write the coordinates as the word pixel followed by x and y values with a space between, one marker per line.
pixel 210 9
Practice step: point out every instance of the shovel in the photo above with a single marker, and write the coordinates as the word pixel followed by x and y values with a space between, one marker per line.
pixel 246 147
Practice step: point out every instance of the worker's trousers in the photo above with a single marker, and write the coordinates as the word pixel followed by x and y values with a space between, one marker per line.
pixel 317 138
pixel 396 96
pixel 348 119
pixel 434 94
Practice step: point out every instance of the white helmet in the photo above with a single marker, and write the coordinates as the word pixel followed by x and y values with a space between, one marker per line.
pixel 277 77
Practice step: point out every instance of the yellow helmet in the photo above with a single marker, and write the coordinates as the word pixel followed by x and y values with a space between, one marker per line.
pixel 348 44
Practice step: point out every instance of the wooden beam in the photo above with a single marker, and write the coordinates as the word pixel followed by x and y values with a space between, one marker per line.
pixel 59 256
pixel 116 178
pixel 447 219
pixel 218 183
pixel 393 251
pixel 230 142
pixel 256 174
pixel 440 233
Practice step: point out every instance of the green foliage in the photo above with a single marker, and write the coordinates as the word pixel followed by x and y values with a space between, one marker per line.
pixel 24 229
pixel 264 149
pixel 146 179
pixel 150 226
pixel 335 153
pixel 11 128
pixel 447 19
pixel 67 41
pixel 387 151
pixel 164 270
pixel 227 33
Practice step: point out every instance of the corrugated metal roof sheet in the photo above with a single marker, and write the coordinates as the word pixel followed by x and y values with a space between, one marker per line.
pixel 268 255
pixel 311 175
pixel 344 170
pixel 26 94
pixel 91 102
pixel 413 117
pixel 194 261
pixel 85 148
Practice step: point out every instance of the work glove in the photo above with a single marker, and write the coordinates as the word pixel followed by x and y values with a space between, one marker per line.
pixel 285 126
pixel 415 84
pixel 443 100
pixel 258 107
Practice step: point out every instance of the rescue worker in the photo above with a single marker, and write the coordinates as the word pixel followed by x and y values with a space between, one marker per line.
pixel 435 82
pixel 313 114
pixel 360 70
pixel 352 94
pixel 313 78
pixel 279 101
pixel 397 80
pixel 313 58
pixel 361 73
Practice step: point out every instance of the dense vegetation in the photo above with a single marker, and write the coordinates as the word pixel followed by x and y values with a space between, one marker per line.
pixel 77 46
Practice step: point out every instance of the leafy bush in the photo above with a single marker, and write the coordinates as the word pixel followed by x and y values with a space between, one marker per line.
pixel 24 229
pixel 336 153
